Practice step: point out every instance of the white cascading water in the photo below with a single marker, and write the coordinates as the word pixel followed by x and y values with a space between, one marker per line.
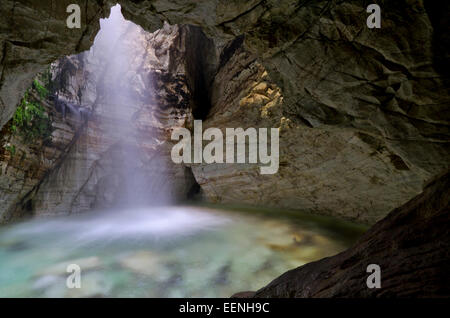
pixel 120 103
pixel 141 203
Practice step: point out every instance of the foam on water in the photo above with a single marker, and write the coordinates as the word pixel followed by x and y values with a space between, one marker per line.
pixel 134 223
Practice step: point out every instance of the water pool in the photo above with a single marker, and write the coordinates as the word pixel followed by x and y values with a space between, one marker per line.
pixel 176 251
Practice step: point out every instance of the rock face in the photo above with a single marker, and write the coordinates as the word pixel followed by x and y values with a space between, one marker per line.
pixel 32 35
pixel 411 245
pixel 363 113
pixel 24 163
pixel 340 172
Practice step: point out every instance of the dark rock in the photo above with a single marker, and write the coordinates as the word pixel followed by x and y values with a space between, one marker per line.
pixel 245 294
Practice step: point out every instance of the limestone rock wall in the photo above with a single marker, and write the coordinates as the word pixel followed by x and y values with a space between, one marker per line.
pixel 24 164
pixel 32 35
pixel 326 170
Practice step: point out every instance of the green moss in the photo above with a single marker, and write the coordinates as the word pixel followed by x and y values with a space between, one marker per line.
pixel 11 149
pixel 42 91
pixel 30 120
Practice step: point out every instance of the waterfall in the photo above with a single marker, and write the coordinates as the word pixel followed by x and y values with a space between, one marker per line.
pixel 124 113
pixel 120 100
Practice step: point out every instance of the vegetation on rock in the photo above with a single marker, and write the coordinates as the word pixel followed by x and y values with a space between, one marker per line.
pixel 30 120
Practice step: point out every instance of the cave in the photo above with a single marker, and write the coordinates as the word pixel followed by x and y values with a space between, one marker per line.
pixel 88 117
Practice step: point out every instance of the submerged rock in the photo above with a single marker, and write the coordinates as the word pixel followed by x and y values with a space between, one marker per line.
pixel 143 262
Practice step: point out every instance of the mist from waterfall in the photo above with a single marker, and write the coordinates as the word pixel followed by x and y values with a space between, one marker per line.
pixel 123 95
